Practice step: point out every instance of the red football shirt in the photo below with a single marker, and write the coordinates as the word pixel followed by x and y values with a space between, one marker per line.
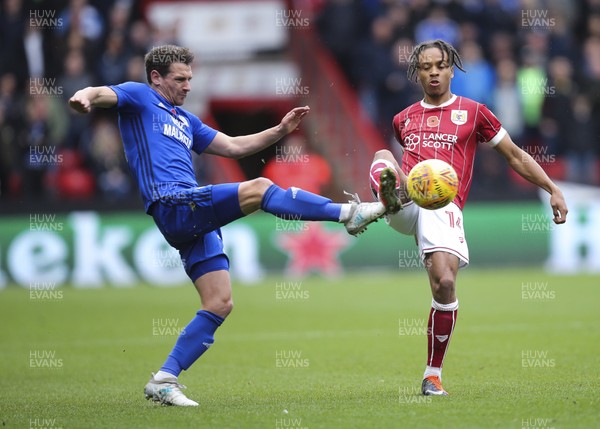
pixel 449 132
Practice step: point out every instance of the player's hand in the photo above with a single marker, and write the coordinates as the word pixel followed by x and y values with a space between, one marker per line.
pixel 559 206
pixel 80 104
pixel 293 118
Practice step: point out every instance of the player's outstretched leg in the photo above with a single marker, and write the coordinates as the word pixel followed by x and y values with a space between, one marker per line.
pixel 362 214
pixel 297 204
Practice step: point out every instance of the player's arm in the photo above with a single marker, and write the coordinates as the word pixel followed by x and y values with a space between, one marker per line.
pixel 521 162
pixel 241 146
pixel 93 96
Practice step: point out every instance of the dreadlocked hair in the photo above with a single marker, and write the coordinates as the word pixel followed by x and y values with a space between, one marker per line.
pixel 413 60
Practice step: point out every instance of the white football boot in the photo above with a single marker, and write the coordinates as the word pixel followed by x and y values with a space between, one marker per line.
pixel 167 392
pixel 363 214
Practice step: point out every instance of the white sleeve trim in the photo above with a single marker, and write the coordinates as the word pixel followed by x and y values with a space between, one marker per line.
pixel 493 142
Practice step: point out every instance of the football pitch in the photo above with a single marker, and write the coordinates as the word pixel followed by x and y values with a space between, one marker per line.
pixel 346 352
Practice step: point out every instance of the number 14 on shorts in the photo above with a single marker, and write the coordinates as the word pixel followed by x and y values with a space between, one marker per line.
pixel 454 221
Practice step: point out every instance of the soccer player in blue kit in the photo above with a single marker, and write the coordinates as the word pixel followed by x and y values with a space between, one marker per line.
pixel 158 137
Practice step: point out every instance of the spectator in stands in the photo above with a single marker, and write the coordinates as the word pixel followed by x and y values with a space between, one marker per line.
pixel 118 17
pixel 437 26
pixel 109 165
pixel 341 24
pixel 582 143
pixel 372 64
pixel 478 84
pixel 561 41
pixel 400 16
pixel 557 107
pixel 532 84
pixel 502 47
pixel 593 24
pixel 135 69
pixel 138 38
pixel 75 76
pixel 82 18
pixel 44 131
pixel 12 31
pixel 395 91
pixel 591 74
pixel 506 99
pixel 469 33
pixel 112 67
pixel 11 122
pixel 496 16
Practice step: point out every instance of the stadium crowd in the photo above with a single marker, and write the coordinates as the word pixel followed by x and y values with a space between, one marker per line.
pixel 536 63
pixel 46 54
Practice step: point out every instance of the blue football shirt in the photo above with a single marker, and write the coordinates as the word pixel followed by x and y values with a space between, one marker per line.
pixel 158 139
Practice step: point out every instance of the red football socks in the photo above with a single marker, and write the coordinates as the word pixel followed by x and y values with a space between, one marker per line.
pixel 442 319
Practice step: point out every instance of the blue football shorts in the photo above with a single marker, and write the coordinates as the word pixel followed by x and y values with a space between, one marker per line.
pixel 191 220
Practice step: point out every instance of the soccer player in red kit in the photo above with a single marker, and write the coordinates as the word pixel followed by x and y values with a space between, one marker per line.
pixel 448 127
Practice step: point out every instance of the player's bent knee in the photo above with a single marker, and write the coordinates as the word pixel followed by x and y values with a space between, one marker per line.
pixel 255 187
pixel 443 289
pixel 262 183
pixel 221 308
pixel 251 193
pixel 446 283
pixel 381 153
pixel 227 308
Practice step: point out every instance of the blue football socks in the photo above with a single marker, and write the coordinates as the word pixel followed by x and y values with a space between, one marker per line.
pixel 193 341
pixel 296 204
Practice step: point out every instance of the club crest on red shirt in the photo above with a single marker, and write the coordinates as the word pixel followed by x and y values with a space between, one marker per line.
pixel 458 117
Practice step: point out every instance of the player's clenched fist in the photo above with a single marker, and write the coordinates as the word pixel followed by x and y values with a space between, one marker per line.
pixel 80 104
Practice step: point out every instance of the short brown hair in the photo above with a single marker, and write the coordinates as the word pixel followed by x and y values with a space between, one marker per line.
pixel 160 59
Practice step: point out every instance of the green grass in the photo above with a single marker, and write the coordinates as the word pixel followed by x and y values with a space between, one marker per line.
pixel 356 370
